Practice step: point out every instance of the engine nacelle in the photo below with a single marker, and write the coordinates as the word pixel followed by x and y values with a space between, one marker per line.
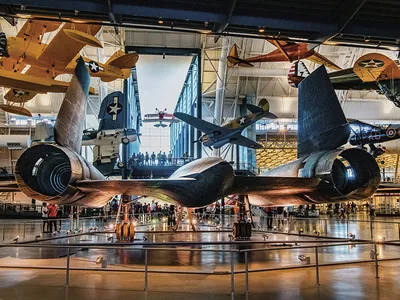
pixel 48 172
pixel 345 174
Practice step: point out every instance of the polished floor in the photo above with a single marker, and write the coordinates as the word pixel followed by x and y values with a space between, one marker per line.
pixel 347 282
pixel 196 265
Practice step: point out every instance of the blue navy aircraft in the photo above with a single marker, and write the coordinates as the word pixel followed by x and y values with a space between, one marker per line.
pixel 110 134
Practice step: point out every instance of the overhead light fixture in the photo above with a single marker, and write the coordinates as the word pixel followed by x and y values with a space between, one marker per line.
pixel 367 39
pixel 160 21
pixel 261 29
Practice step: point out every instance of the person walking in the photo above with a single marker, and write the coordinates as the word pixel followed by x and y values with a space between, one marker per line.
pixel 146 158
pixel 52 216
pixel 45 217
pixel 153 159
pixel 269 212
pixel 170 158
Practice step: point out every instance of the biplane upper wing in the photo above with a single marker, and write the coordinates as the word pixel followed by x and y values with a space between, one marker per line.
pixel 376 67
pixel 34 29
pixel 63 48
pixel 322 60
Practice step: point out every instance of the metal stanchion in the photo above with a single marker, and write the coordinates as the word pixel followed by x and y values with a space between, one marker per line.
pixel 316 265
pixel 370 227
pixel 4 231
pixel 67 274
pixel 347 226
pixel 376 262
pixel 247 272
pixel 398 225
pixel 145 270
pixel 326 227
pixel 232 276
pixel 24 230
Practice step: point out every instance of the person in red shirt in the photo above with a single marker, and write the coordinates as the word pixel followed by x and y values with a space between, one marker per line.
pixel 52 211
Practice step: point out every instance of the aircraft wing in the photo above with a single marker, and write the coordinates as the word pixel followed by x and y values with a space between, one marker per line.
pixel 263 190
pixel 62 49
pixel 163 189
pixel 206 127
pixel 322 60
pixel 33 29
pixel 245 142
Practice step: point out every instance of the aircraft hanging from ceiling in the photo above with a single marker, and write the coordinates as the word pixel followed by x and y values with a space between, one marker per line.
pixel 160 118
pixel 323 172
pixel 231 132
pixel 373 71
pixel 287 51
pixel 46 61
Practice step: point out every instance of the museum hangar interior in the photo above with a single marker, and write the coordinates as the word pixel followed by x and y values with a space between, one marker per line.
pixel 199 149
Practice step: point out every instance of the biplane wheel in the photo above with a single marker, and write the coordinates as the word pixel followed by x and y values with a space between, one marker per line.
pixel 125 231
pixel 118 231
pixel 125 141
pixel 120 164
pixel 131 232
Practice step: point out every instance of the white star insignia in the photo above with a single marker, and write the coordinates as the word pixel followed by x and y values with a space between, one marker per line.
pixel 242 120
pixel 114 109
pixel 93 66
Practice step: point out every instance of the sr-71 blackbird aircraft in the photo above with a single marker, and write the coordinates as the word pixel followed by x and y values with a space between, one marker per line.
pixel 231 132
pixel 322 173
pixel 47 61
pixel 287 51
pixel 373 71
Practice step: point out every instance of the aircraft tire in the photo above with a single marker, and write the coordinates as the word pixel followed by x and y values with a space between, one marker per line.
pixel 131 232
pixel 248 230
pixel 118 231
pixel 125 231
pixel 125 141
pixel 120 165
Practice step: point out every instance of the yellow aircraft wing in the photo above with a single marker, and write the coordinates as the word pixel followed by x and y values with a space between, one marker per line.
pixel 376 67
pixel 322 60
pixel 33 30
pixel 66 45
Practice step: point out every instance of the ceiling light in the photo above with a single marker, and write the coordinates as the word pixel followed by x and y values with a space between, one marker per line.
pixel 261 30
pixel 160 21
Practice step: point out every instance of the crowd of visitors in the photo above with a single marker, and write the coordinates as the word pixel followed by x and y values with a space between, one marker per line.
pixel 146 159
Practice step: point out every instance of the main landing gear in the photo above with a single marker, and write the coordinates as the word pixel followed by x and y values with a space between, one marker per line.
pixel 125 231
pixel 242 228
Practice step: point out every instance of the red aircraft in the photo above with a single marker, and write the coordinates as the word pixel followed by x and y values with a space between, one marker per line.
pixel 160 117
pixel 287 51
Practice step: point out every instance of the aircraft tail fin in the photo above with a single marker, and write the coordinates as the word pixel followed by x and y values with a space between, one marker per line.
pixel 233 58
pixel 123 61
pixel 111 114
pixel 71 118
pixel 321 121
pixel 298 71
pixel 263 106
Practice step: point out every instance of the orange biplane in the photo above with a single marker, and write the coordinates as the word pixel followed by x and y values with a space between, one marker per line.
pixel 286 51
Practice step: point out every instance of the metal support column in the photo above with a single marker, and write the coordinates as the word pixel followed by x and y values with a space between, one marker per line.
pixel 220 91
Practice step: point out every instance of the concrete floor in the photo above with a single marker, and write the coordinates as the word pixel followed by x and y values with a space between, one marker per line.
pixel 345 282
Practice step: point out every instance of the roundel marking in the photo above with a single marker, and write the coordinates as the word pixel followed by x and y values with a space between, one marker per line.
pixel 371 64
pixel 94 66
pixel 391 133
pixel 114 108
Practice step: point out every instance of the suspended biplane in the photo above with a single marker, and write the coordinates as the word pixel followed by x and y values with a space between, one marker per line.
pixel 286 51
pixel 46 61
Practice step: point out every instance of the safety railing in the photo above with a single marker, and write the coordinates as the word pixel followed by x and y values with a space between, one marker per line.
pixel 232 269
pixel 336 228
